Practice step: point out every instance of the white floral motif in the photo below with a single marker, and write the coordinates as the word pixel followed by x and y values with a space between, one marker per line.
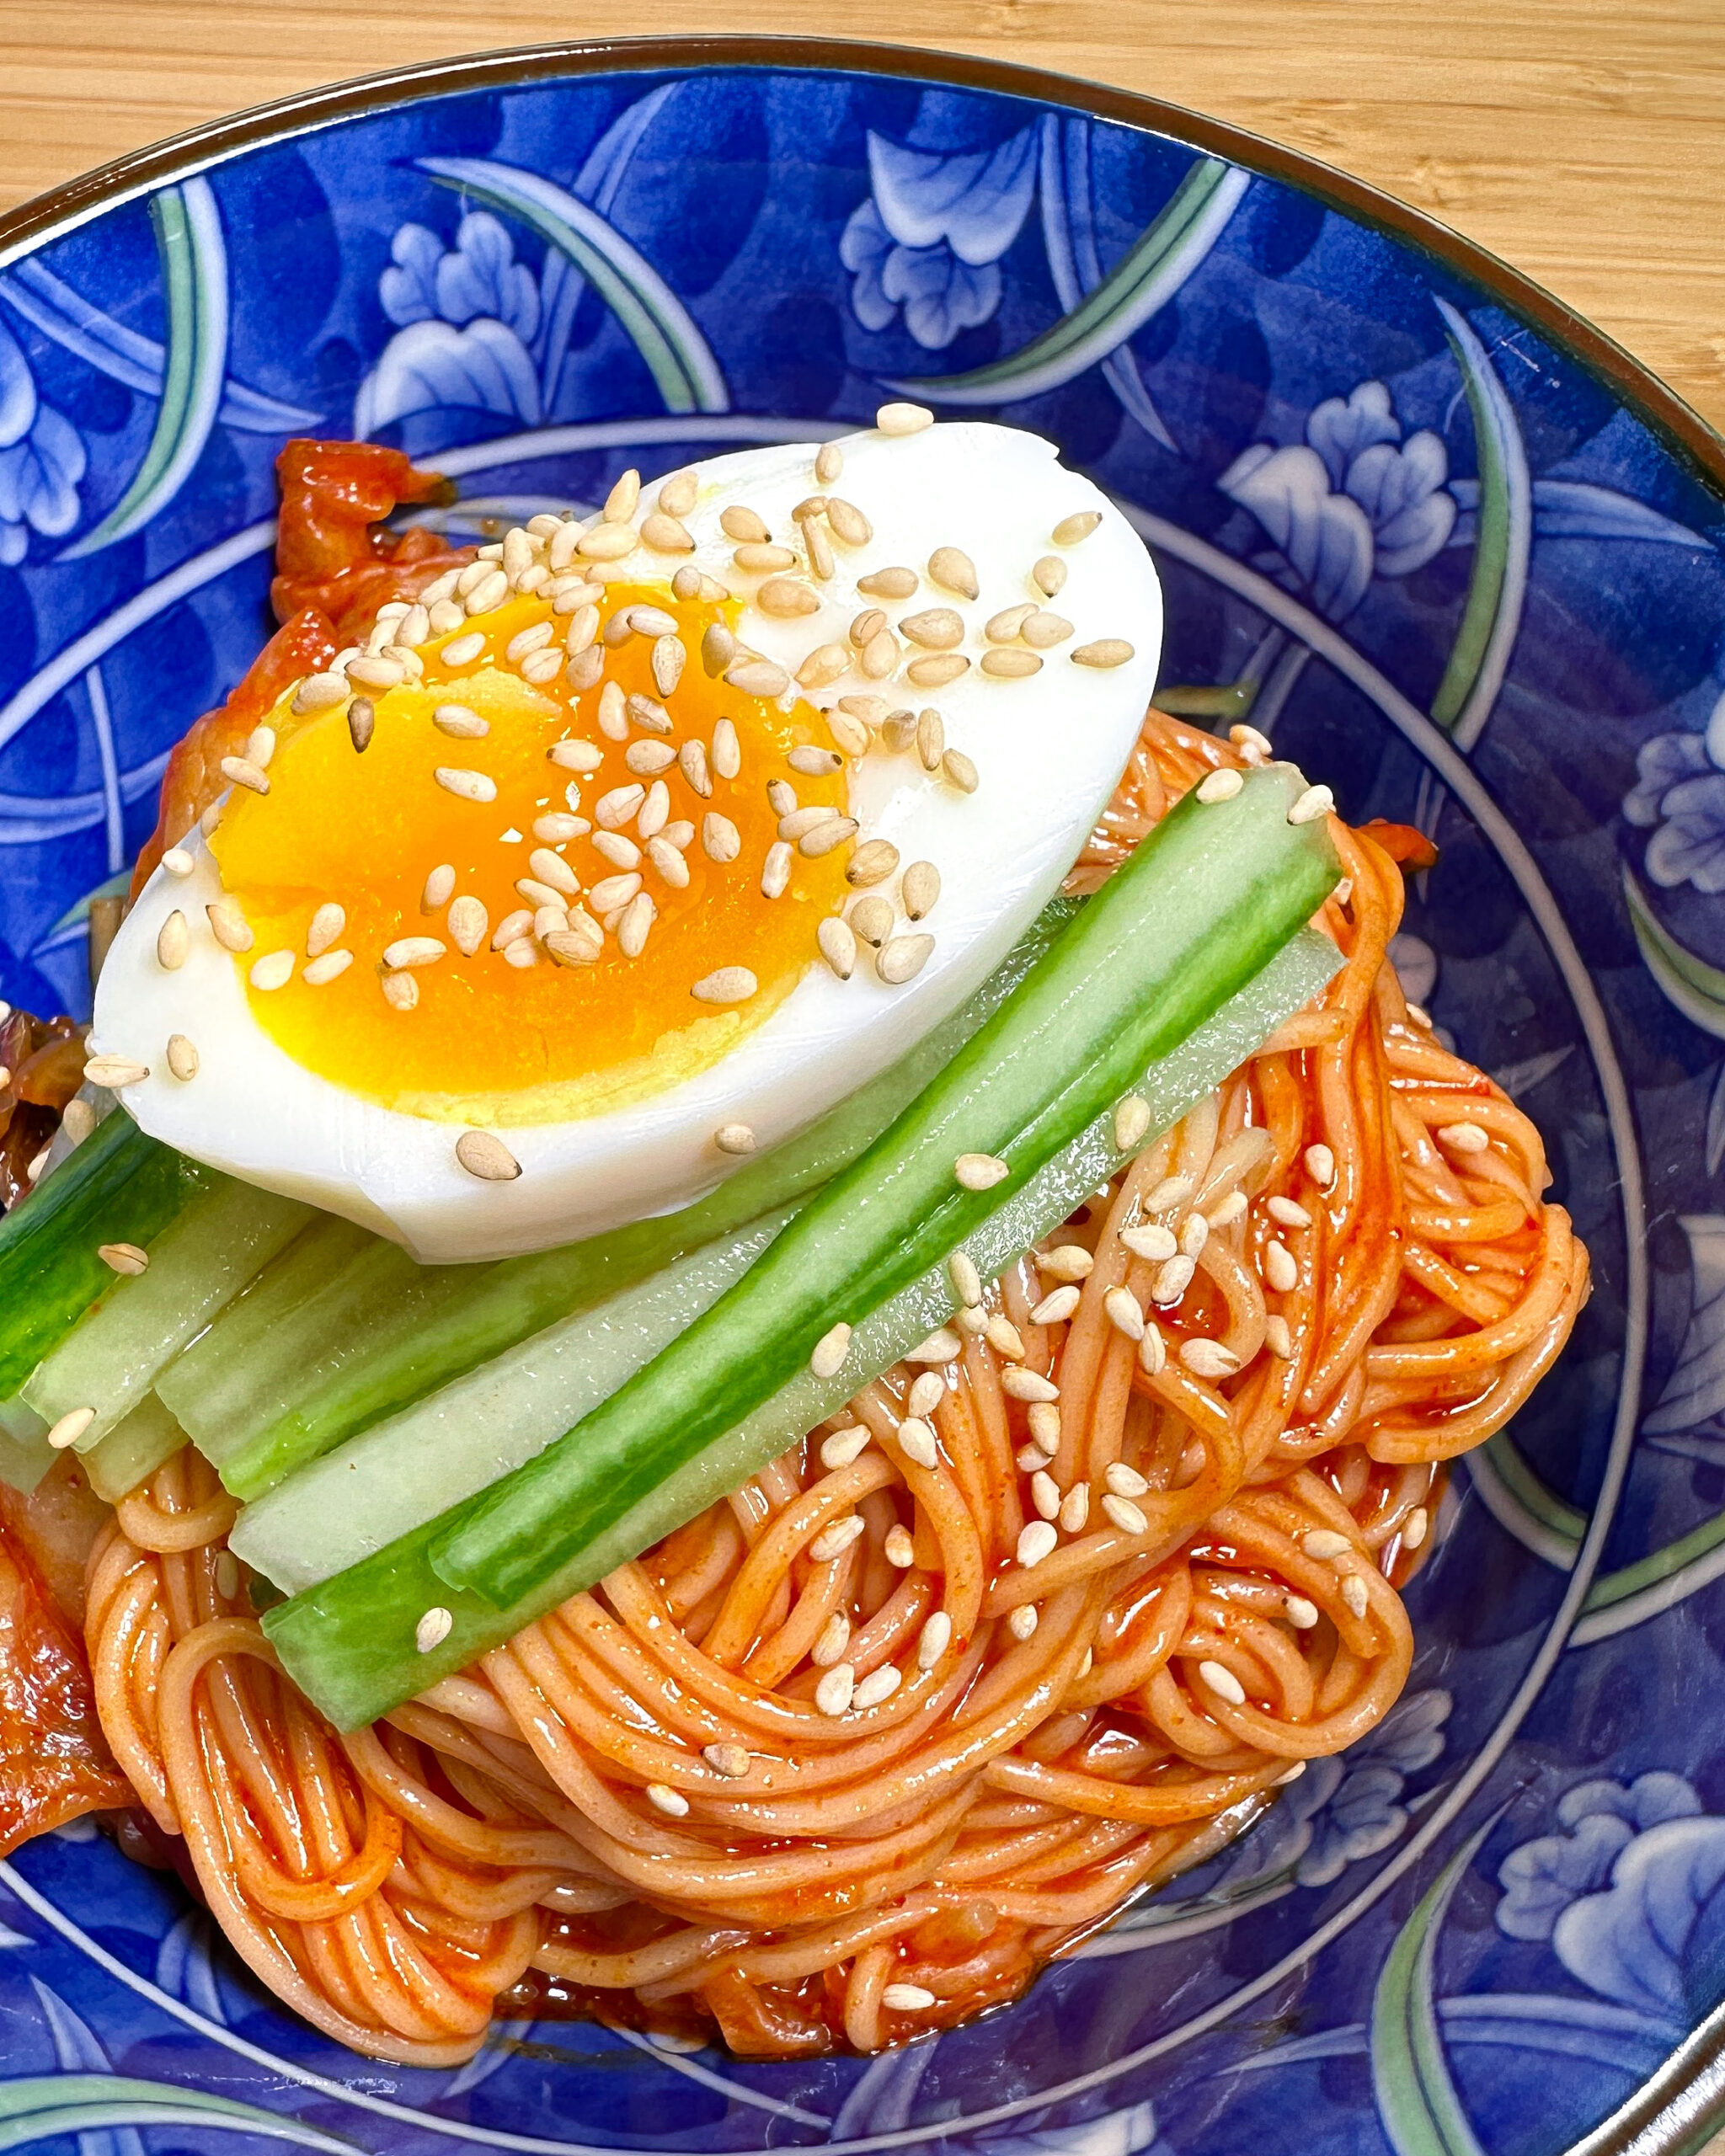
pixel 467 314
pixel 1354 500
pixel 41 459
pixel 1680 796
pixel 929 238
pixel 1630 1893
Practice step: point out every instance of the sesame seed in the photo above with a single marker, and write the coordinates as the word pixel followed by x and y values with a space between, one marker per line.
pixel 838 946
pixel 1231 1208
pixel 1042 630
pixel 833 1693
pixel 936 1637
pixel 318 691
pixel 1317 801
pixel 71 1427
pixel 1223 1683
pixel 899 1549
pixel 606 542
pixel 876 1687
pixel 272 971
pixel 1123 1481
pixel 1194 1234
pixel 848 522
pixel 610 892
pixel 1152 1350
pixel 1464 1138
pixel 172 942
pixel 1045 1493
pixel 826 836
pixel 1153 1243
pixel 550 867
pixel 1123 1312
pixel 413 951
pixel 936 669
pixel 966 1282
pixel 720 839
pixel 940 1346
pixel 1354 1594
pixel 781 799
pixel 1131 1122
pixel 776 870
pixel 331 966
pixel 1324 1543
pixel 872 921
pixel 828 461
pixel 971 1320
pixel 612 713
pixel 978 1171
pixel 1055 1307
pixel 830 1350
pixel 648 713
pixel 510 929
pixel 125 1258
pixel 813 762
pixel 901 960
pixel 636 924
pixel 1079 525
pixel 1022 1624
pixel 1106 652
pixel 1171 1281
pixel 917 1438
pixel 903 418
pixel 730 1760
pixel 821 564
pixel 1020 1384
pixel 461 651
pixel 678 494
pixel 465 785
pixel 834 1638
pixel 665 1799
pixel 754 559
pixel 577 943
pixel 1065 1262
pixel 240 771
pixel 583 628
pixel 824 665
pixel 618 807
pixel 725 985
pixel 1220 786
pixel 327 924
pixel 460 722
pixel 758 677
pixel 926 1393
pixel 844 1446
pixel 260 746
pixel 738 521
pixel 1415 1527
pixel 1003 1336
pixel 433 1628
pixel 1288 1212
pixel 668 861
pixel 1281 1273
pixel 836 1538
pixel 1170 1191
pixel 1302 1614
pixel 581 756
pixel 1209 1358
pixel 401 991
pixel 1036 1540
pixel 960 770
pixel 486 1157
pixel 1118 1504
pixel 1010 665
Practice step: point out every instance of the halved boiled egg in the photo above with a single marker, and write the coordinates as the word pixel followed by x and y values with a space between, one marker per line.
pixel 636 844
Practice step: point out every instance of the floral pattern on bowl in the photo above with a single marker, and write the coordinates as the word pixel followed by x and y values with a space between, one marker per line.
pixel 1404 527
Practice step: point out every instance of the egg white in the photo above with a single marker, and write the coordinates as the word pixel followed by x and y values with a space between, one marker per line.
pixel 1050 750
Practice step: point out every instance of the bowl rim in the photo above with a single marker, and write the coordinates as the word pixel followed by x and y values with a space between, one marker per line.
pixel 1697 445
pixel 1684 2098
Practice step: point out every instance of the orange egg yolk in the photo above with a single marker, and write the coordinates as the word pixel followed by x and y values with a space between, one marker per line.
pixel 519 1036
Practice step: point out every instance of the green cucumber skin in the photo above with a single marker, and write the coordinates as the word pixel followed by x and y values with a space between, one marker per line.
pixel 415 1328
pixel 118 1186
pixel 1114 993
pixel 349 1641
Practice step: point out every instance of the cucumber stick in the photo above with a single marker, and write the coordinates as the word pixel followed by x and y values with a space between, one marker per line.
pixel 118 1186
pixel 388 1332
pixel 198 1264
pixel 349 1643
pixel 1199 910
pixel 134 1449
pixel 25 1453
pixel 456 1441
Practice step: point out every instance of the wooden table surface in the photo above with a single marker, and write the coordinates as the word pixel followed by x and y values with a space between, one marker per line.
pixel 1582 140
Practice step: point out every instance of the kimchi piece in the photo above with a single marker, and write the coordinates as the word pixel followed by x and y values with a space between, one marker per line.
pixel 334 568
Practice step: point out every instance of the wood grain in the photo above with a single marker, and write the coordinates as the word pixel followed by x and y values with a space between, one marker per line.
pixel 1581 140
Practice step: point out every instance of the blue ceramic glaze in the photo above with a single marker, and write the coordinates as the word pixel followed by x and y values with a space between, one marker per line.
pixel 1451 567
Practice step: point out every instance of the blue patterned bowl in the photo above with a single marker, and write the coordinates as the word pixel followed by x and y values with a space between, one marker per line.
pixel 1462 559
